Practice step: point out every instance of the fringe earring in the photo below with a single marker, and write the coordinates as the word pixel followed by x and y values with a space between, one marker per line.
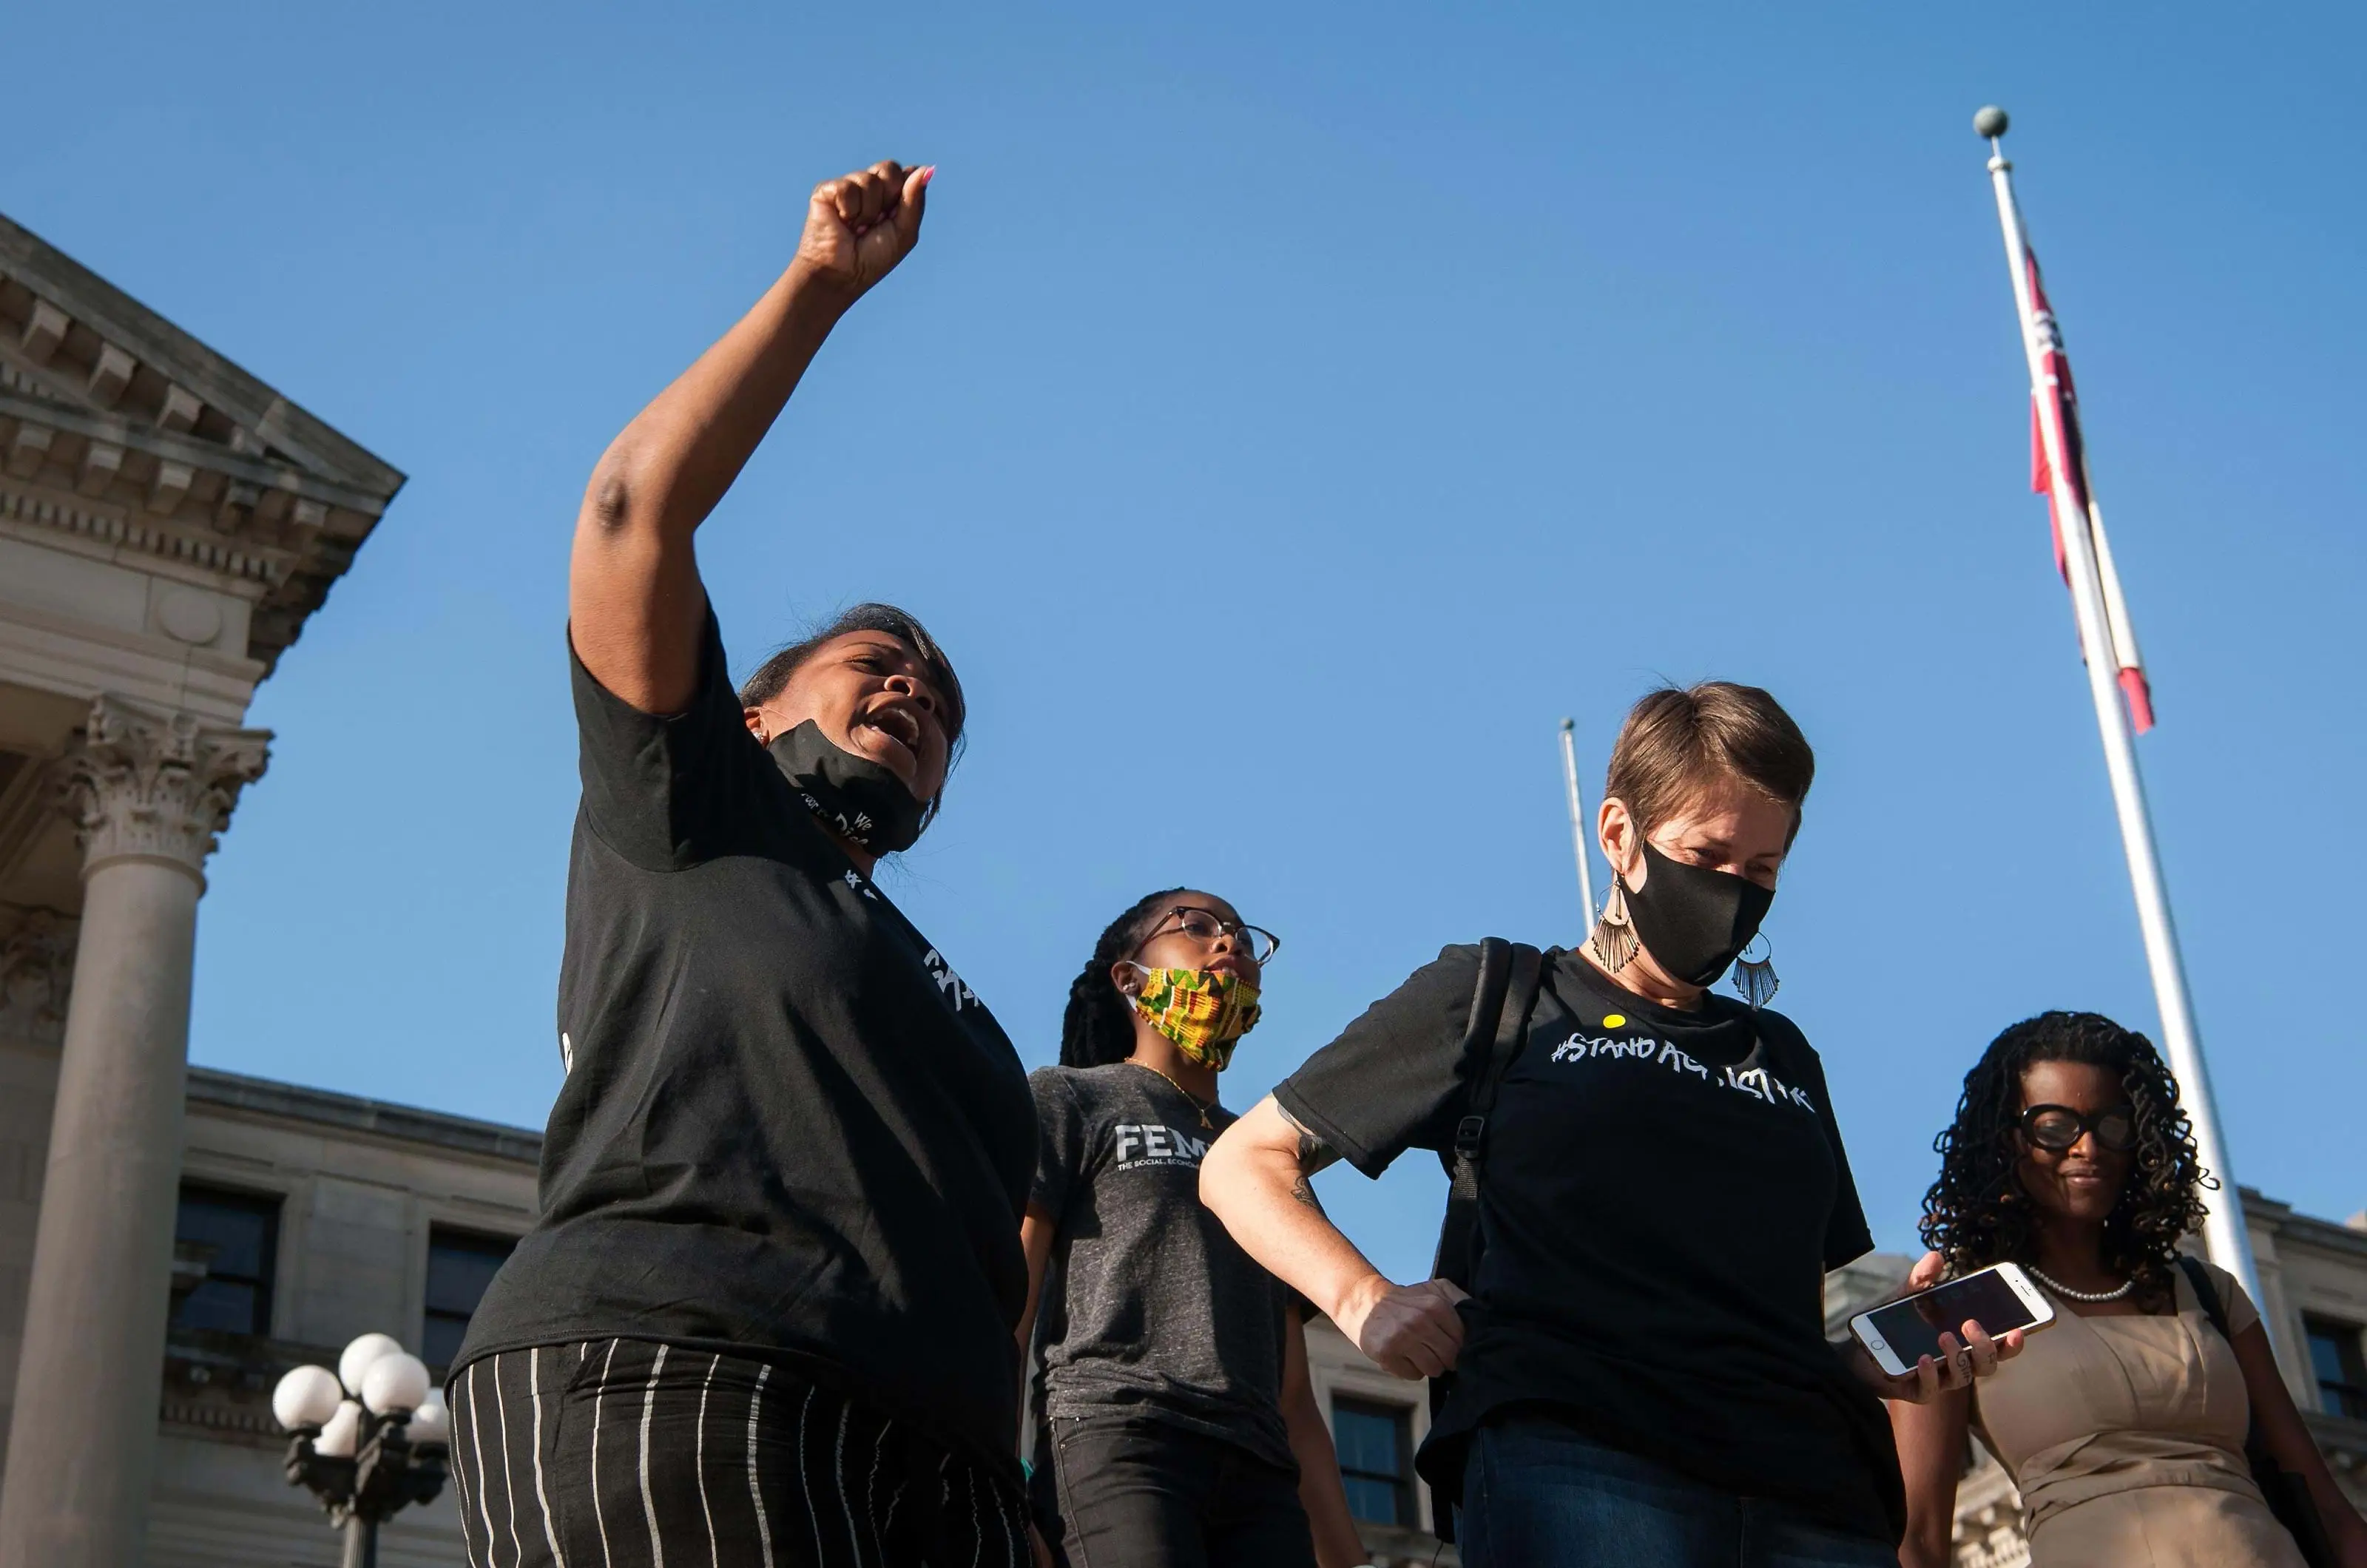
pixel 1613 942
pixel 1755 977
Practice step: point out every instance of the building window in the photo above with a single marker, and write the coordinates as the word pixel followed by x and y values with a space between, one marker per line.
pixel 234 1237
pixel 459 1267
pixel 2337 1361
pixel 1375 1445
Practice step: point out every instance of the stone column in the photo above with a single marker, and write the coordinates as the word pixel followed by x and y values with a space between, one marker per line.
pixel 150 790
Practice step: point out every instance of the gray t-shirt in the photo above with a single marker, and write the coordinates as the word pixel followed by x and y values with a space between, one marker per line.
pixel 1150 1308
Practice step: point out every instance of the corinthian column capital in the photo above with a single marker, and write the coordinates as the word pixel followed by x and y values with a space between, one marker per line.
pixel 156 783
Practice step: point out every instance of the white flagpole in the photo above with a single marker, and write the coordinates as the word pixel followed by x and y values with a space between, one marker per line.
pixel 1576 822
pixel 2224 1231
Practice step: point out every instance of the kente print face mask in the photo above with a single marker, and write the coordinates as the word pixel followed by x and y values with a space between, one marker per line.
pixel 1204 1011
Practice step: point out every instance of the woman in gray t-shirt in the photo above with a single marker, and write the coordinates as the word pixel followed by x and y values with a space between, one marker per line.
pixel 1175 1425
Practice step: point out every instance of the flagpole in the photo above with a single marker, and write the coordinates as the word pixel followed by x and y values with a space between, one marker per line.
pixel 1576 822
pixel 2223 1230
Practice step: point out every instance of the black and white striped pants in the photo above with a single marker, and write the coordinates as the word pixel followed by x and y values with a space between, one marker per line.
pixel 620 1454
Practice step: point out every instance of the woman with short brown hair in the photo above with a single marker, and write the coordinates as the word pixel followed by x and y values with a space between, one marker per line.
pixel 1641 1374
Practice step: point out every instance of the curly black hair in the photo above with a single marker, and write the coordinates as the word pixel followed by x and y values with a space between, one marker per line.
pixel 1098 1027
pixel 1976 1212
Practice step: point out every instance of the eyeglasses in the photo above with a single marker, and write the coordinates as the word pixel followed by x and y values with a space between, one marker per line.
pixel 1205 926
pixel 2058 1128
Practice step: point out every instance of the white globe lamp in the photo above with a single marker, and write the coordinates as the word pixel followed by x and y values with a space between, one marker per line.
pixel 306 1397
pixel 350 1449
pixel 354 1364
pixel 395 1385
pixel 432 1422
pixel 342 1433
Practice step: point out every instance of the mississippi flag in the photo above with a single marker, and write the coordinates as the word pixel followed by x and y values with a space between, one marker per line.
pixel 2056 405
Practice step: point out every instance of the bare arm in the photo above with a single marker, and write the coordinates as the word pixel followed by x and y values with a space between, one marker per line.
pixel 1319 1492
pixel 1037 1229
pixel 2288 1439
pixel 1254 1179
pixel 1932 1446
pixel 635 604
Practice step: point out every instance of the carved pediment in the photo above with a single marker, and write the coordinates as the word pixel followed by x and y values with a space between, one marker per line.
pixel 117 426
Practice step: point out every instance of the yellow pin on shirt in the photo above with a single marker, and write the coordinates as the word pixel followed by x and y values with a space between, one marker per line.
pixel 1613 1020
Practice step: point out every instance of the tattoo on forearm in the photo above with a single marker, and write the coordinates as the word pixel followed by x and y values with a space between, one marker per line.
pixel 1304 1191
pixel 1314 1153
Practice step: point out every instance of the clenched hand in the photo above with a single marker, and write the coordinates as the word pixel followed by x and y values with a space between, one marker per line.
pixel 859 226
pixel 1411 1330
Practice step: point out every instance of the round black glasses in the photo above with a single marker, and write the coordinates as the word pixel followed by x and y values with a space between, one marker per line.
pixel 1205 926
pixel 2058 1128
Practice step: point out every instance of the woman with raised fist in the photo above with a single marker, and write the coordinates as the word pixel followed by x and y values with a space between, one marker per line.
pixel 764 1315
pixel 1176 1426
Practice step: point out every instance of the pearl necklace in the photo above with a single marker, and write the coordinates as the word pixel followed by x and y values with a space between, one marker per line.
pixel 2069 1294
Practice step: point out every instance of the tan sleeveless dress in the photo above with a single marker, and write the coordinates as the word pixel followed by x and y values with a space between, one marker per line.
pixel 2125 1436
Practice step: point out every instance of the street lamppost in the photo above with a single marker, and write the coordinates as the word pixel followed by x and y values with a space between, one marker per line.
pixel 369 1438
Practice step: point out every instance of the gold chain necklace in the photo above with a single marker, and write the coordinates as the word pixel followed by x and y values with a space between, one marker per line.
pixel 1179 1089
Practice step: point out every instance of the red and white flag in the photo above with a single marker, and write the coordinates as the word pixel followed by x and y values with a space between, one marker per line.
pixel 2056 407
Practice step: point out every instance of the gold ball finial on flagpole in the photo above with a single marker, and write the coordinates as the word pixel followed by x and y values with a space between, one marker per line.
pixel 1989 123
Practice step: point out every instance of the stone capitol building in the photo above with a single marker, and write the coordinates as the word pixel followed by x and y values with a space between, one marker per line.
pixel 172 1239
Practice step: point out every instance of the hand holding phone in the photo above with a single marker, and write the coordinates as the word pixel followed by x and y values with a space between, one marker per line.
pixel 1940 1337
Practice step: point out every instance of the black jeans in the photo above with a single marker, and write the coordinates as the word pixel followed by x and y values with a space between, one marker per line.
pixel 625 1454
pixel 1131 1493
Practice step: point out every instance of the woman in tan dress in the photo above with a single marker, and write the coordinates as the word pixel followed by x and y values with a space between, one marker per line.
pixel 2124 1422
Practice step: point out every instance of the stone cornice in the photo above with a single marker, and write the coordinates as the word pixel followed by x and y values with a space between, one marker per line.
pixel 113 525
pixel 152 783
pixel 149 339
pixel 116 425
pixel 256 470
pixel 403 1123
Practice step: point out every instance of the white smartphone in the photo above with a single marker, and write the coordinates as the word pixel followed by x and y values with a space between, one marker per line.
pixel 2001 1298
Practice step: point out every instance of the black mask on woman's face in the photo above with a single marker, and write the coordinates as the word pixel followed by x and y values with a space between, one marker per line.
pixel 1693 920
pixel 860 800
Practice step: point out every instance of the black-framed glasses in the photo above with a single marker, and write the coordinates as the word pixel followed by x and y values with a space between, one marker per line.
pixel 2058 1129
pixel 1205 926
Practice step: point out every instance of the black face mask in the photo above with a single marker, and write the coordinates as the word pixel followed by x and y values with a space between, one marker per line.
pixel 855 797
pixel 1693 920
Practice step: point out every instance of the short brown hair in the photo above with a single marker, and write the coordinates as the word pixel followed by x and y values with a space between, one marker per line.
pixel 1680 742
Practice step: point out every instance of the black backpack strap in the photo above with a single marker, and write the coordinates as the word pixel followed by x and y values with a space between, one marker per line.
pixel 1510 974
pixel 2206 1295
pixel 2287 1494
pixel 1501 1001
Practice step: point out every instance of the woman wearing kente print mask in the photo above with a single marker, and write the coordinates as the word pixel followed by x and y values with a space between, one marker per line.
pixel 1175 1424
pixel 1641 1375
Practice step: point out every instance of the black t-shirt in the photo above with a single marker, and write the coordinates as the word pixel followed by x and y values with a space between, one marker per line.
pixel 1662 1195
pixel 788 1129
pixel 1150 1306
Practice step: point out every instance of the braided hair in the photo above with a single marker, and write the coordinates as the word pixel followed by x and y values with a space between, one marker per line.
pixel 1976 1212
pixel 1098 1027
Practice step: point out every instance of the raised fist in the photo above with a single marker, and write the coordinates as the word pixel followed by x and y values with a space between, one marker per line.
pixel 860 225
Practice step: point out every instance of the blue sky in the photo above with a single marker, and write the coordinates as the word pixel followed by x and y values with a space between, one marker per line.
pixel 1290 414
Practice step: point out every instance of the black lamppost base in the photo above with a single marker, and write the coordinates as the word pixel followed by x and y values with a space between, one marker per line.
pixel 386 1472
